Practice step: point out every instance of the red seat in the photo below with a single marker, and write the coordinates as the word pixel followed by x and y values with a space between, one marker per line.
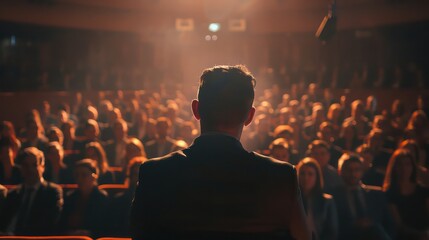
pixel 113 189
pixel 46 237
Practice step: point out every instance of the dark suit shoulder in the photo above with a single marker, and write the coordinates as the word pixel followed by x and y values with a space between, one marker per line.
pixel 270 160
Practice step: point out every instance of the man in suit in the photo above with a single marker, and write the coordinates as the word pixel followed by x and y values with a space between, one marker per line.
pixel 116 148
pixel 33 208
pixel 215 189
pixel 361 208
pixel 163 144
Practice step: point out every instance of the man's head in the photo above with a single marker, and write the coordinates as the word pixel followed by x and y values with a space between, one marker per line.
pixel 32 162
pixel 225 98
pixel 319 150
pixel 351 168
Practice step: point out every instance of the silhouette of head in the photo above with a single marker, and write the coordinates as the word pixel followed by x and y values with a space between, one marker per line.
pixel 225 97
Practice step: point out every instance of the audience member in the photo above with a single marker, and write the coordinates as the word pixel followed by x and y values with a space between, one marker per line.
pixel 85 208
pixel 320 207
pixel 95 151
pixel 408 199
pixel 163 144
pixel 319 150
pixel 361 208
pixel 34 207
pixel 55 169
pixel 9 171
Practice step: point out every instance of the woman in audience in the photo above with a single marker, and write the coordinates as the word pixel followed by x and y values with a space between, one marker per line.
pixel 9 172
pixel 96 152
pixel 84 211
pixel 348 139
pixel 68 131
pixel 55 169
pixel 334 116
pixel 408 199
pixel 422 165
pixel 320 207
pixel 7 131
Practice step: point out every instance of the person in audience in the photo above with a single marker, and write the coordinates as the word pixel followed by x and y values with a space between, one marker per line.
pixel 361 208
pixel 55 169
pixel 95 151
pixel 358 119
pixel 150 131
pixel 310 128
pixel 260 139
pixel 187 132
pixel 198 192
pixel 7 131
pixel 348 139
pixel 34 207
pixel 34 136
pixel 85 208
pixel 422 166
pixel 68 132
pixel 398 116
pixel 326 133
pixel 138 129
pixel 54 134
pixel 91 133
pixel 9 171
pixel 116 148
pixel 408 199
pixel 389 141
pixel 163 144
pixel 334 117
pixel 121 202
pixel 320 207
pixel 375 141
pixel 372 176
pixel 89 113
pixel 279 149
pixel 319 150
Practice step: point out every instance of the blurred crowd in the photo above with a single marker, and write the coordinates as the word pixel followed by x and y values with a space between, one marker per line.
pixel 363 171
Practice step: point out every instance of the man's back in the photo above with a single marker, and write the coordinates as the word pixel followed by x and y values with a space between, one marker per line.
pixel 215 186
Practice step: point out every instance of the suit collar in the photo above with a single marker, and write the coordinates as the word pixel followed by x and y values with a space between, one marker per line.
pixel 217 140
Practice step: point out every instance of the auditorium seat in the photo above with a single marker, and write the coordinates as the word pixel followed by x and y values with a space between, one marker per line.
pixel 113 189
pixel 46 237
pixel 113 238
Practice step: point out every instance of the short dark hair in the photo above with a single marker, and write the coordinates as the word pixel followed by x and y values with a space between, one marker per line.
pixel 33 151
pixel 225 95
pixel 316 144
pixel 89 164
pixel 347 158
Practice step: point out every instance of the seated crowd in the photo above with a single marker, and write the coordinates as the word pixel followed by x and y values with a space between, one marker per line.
pixel 363 171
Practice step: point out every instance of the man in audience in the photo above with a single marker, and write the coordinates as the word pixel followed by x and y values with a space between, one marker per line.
pixel 34 136
pixel 362 209
pixel 115 149
pixel 215 189
pixel 3 194
pixel 34 207
pixel 326 133
pixel 319 150
pixel 163 144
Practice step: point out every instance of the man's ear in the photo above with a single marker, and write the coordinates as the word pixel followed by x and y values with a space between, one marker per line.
pixel 250 116
pixel 195 109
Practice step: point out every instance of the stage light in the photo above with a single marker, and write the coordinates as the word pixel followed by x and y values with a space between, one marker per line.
pixel 214 37
pixel 214 27
pixel 208 38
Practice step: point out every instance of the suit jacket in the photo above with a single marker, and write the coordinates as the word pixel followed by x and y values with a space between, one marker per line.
pixel 43 214
pixel 376 210
pixel 324 216
pixel 94 216
pixel 214 189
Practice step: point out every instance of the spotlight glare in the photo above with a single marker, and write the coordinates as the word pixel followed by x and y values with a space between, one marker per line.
pixel 214 27
pixel 208 38
pixel 214 37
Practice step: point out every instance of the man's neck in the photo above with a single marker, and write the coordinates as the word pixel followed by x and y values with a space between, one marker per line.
pixel 235 133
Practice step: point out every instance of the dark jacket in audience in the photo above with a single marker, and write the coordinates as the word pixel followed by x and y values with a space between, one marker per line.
pixel 39 216
pixel 322 216
pixel 85 214
pixel 363 213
